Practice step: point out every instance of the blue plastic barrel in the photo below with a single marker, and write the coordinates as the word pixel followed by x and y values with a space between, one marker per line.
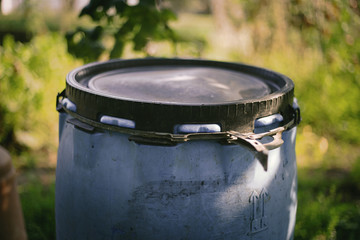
pixel 176 149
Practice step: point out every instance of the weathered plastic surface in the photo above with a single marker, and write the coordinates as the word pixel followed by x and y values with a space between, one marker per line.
pixel 108 187
pixel 179 84
pixel 11 218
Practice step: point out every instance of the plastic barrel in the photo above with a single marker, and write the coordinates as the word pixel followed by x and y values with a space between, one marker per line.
pixel 176 149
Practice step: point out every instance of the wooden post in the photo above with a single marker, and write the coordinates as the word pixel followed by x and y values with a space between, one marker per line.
pixel 11 217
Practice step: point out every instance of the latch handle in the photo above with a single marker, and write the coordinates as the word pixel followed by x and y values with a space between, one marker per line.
pixel 261 149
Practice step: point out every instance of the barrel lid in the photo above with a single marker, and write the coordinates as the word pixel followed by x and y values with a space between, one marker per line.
pixel 5 162
pixel 178 85
pixel 159 93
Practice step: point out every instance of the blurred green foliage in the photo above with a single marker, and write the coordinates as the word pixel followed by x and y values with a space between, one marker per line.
pixel 30 76
pixel 122 23
pixel 333 28
pixel 16 26
pixel 325 33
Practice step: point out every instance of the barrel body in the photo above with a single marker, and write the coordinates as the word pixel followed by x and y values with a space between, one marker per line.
pixel 108 187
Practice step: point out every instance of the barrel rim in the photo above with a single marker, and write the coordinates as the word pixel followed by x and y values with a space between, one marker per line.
pixel 161 116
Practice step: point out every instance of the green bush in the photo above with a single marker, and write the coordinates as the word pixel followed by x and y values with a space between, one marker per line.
pixel 31 75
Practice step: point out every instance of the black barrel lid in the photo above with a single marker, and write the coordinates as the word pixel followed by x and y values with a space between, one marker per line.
pixel 158 94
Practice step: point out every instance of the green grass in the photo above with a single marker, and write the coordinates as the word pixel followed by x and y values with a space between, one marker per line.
pixel 328 205
pixel 38 201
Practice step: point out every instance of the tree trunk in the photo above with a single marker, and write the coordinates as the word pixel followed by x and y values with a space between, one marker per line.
pixel 68 5
pixel 220 14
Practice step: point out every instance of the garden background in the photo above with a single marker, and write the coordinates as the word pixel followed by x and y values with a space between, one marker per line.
pixel 315 43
